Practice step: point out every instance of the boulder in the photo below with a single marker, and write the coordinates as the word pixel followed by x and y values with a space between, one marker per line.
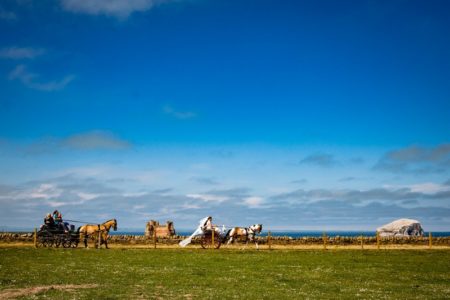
pixel 400 228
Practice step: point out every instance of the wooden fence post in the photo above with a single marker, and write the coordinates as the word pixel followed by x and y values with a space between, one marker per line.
pixel 154 238
pixel 378 240
pixel 99 239
pixel 269 242
pixel 212 239
pixel 324 237
pixel 35 237
pixel 430 240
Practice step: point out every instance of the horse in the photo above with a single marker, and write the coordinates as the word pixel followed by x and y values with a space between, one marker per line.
pixel 91 229
pixel 248 233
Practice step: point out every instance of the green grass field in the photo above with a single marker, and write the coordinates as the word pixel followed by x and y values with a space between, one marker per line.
pixel 250 274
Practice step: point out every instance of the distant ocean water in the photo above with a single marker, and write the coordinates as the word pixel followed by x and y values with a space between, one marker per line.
pixel 293 234
pixel 290 233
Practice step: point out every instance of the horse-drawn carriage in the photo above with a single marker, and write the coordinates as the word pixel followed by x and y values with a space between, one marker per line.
pixel 56 236
pixel 62 234
pixel 206 240
pixel 211 236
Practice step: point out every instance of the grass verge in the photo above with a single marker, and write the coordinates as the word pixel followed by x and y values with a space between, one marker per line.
pixel 194 273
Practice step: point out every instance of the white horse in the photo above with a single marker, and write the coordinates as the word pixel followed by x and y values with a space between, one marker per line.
pixel 248 233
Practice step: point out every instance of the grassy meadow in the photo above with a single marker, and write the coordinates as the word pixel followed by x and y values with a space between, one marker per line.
pixel 29 273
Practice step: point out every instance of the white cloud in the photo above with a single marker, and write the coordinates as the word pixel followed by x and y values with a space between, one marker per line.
pixel 429 188
pixel 46 191
pixel 208 197
pixel 135 194
pixel 87 196
pixel 182 115
pixel 190 206
pixel 253 202
pixel 21 52
pixel 31 80
pixel 116 8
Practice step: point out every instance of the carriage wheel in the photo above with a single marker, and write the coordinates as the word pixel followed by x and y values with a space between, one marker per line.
pixel 47 242
pixel 74 243
pixel 40 241
pixel 66 243
pixel 206 242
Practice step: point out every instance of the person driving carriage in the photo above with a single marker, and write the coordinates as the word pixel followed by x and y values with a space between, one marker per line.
pixel 49 221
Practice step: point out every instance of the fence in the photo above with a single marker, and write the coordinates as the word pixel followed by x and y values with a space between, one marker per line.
pixel 268 242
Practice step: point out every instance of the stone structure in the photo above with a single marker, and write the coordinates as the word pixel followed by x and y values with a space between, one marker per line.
pixel 162 231
pixel 401 227
pixel 27 238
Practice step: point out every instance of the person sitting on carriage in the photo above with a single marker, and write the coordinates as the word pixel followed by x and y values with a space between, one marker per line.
pixel 207 225
pixel 204 225
pixel 57 216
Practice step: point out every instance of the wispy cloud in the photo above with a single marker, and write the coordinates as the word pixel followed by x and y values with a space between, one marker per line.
pixel 299 181
pixel 115 8
pixel 320 159
pixel 96 139
pixel 388 195
pixel 7 15
pixel 416 159
pixel 182 115
pixel 208 197
pixel 85 141
pixel 205 180
pixel 31 80
pixel 83 197
pixel 21 52
pixel 346 179
pixel 235 194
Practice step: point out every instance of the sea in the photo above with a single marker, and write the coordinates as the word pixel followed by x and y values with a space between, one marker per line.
pixel 288 233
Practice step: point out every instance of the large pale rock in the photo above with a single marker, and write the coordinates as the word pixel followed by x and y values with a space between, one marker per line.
pixel 401 227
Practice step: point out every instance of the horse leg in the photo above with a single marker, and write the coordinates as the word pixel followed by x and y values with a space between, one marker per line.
pixel 231 236
pixel 105 240
pixel 85 241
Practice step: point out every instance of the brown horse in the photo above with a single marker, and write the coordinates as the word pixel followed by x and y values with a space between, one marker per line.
pixel 93 230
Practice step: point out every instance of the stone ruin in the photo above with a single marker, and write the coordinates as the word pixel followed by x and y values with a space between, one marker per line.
pixel 153 228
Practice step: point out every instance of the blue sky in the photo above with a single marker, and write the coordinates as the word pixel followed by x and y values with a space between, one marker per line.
pixel 295 114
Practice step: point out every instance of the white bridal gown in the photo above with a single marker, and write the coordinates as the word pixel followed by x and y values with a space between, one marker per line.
pixel 197 232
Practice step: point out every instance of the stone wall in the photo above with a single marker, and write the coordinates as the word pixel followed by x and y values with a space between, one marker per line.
pixel 277 240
